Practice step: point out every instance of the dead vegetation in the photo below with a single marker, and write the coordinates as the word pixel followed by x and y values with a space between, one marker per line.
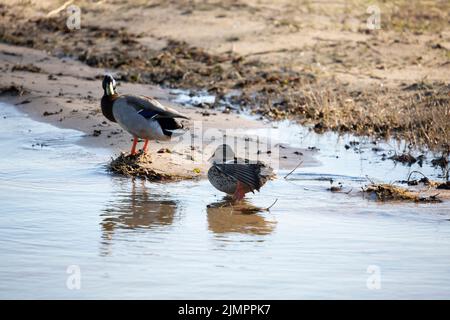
pixel 423 180
pixel 444 186
pixel 441 161
pixel 12 90
pixel 422 117
pixel 139 166
pixel 416 16
pixel 389 192
pixel 26 67
pixel 405 158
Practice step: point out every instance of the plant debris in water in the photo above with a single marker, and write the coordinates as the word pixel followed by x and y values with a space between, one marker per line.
pixel 415 182
pixel 444 186
pixel 137 165
pixel 440 162
pixel 12 90
pixel 26 67
pixel 389 192
pixel 424 180
pixel 49 113
pixel 405 158
pixel 335 188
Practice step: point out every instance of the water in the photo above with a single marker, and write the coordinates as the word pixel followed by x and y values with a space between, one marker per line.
pixel 61 211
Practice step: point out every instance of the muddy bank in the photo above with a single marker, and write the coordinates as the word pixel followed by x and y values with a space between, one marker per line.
pixel 340 76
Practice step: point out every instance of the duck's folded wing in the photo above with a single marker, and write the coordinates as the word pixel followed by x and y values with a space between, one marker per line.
pixel 150 107
pixel 245 173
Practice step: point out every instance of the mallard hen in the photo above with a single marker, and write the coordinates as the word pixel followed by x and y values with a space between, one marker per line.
pixel 235 176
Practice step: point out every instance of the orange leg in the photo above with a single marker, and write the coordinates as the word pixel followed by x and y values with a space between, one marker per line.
pixel 133 148
pixel 144 148
pixel 239 193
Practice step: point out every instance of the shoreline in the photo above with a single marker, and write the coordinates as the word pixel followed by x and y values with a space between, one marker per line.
pixel 76 105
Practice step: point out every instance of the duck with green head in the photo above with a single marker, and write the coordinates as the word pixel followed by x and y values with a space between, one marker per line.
pixel 143 117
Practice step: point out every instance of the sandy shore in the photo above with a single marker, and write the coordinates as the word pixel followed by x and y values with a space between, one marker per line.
pixel 66 93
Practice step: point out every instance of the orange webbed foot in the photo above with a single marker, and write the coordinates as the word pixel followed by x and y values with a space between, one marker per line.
pixel 239 193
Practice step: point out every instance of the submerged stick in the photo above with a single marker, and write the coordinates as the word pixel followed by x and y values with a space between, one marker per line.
pixel 293 170
pixel 268 208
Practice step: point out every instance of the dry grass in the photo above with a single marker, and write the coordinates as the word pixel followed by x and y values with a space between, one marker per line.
pixel 389 192
pixel 415 16
pixel 421 116
pixel 138 165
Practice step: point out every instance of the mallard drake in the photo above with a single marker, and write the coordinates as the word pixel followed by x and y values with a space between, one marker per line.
pixel 141 116
pixel 236 176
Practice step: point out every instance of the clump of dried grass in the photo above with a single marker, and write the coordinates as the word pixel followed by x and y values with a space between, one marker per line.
pixel 389 192
pixel 444 186
pixel 404 158
pixel 137 165
pixel 12 90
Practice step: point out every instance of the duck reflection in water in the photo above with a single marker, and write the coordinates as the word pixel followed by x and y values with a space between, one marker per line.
pixel 243 217
pixel 137 208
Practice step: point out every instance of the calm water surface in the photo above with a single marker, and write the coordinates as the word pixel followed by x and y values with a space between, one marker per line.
pixel 133 239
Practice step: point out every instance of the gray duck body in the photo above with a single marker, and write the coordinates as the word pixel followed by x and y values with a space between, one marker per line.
pixel 224 176
pixel 143 117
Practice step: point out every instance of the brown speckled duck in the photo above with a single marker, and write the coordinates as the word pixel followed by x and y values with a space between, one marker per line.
pixel 235 176
pixel 141 116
